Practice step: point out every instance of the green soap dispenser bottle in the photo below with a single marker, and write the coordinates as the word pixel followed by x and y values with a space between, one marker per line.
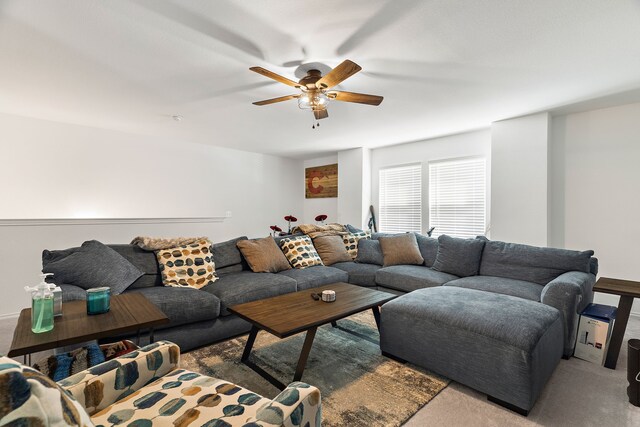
pixel 41 306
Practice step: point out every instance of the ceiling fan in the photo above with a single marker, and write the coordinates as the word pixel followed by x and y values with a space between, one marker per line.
pixel 315 89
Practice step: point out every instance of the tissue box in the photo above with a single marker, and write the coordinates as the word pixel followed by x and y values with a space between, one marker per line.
pixel 594 332
pixel 57 301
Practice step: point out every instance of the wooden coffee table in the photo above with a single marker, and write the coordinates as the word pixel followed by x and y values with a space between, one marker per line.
pixel 290 314
pixel 130 312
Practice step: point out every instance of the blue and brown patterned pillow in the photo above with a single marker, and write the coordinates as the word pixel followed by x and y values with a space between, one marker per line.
pixel 30 398
pixel 188 265
pixel 300 252
pixel 60 366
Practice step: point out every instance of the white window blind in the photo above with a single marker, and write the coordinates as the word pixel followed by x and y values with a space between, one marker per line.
pixel 401 199
pixel 457 197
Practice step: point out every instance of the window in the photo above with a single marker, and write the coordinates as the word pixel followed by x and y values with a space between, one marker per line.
pixel 457 197
pixel 401 199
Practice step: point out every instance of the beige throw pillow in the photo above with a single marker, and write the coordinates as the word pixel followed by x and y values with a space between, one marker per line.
pixel 402 249
pixel 263 255
pixel 331 249
pixel 187 265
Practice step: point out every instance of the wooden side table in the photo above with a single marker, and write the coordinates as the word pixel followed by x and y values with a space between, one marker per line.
pixel 130 312
pixel 627 290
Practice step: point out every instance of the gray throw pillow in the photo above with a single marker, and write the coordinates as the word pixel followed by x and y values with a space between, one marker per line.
pixel 369 252
pixel 226 254
pixel 428 248
pixel 91 266
pixel 460 257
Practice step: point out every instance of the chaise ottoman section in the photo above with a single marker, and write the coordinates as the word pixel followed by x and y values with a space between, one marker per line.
pixel 504 346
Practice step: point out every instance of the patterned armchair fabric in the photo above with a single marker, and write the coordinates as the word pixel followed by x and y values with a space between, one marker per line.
pixel 30 398
pixel 144 389
pixel 102 385
pixel 184 398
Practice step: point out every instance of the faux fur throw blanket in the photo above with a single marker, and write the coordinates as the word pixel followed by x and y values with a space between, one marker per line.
pixel 157 243
pixel 314 231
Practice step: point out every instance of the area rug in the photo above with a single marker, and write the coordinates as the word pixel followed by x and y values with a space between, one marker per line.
pixel 359 386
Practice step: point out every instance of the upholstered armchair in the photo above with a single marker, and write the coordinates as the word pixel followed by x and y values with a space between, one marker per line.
pixel 146 388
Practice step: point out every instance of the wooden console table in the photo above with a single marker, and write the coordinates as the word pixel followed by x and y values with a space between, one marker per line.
pixel 627 290
pixel 130 312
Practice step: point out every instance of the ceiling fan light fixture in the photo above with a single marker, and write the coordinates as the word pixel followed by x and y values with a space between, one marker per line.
pixel 313 100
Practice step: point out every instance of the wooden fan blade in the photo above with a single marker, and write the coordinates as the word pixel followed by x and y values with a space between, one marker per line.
pixel 320 114
pixel 274 100
pixel 339 74
pixel 360 98
pixel 274 76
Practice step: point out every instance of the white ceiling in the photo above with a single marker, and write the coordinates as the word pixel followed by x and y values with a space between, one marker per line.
pixel 443 66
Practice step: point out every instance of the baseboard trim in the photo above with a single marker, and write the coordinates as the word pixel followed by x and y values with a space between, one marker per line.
pixel 39 222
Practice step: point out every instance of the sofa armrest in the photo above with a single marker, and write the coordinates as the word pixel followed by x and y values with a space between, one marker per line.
pixel 569 293
pixel 72 293
pixel 104 384
pixel 297 405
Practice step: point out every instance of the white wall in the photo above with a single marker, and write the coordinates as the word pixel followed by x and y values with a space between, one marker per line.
pixel 314 207
pixel 54 170
pixel 476 143
pixel 595 189
pixel 519 179
pixel 354 186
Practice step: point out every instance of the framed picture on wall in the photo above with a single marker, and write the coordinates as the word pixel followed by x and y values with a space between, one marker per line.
pixel 321 181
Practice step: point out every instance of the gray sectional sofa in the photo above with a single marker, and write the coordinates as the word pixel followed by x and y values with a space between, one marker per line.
pixel 200 317
pixel 497 317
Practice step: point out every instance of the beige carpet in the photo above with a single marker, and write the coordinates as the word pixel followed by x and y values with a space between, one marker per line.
pixel 359 386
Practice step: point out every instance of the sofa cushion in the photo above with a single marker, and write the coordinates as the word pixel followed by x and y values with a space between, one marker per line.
pixel 182 305
pixel 300 251
pixel 263 255
pixel 187 265
pixel 332 249
pixel 351 242
pixel 408 278
pixel 91 266
pixel 500 285
pixel 531 263
pixel 226 254
pixel 360 274
pixel 144 260
pixel 401 249
pixel 247 286
pixel 428 248
pixel 318 275
pixel 369 252
pixel 457 256
pixel 186 398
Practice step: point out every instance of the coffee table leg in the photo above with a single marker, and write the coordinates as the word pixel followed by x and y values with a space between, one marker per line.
pixel 151 338
pixel 247 348
pixel 334 324
pixel 304 354
pixel 619 327
pixel 376 315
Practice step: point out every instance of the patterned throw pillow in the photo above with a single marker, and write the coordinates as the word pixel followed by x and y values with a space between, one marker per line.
pixel 60 366
pixel 300 252
pixel 30 398
pixel 351 241
pixel 187 266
